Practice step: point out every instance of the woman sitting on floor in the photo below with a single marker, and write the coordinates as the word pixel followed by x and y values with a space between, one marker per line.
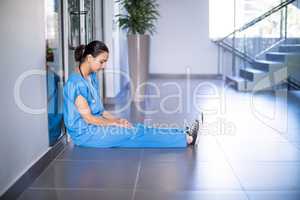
pixel 90 126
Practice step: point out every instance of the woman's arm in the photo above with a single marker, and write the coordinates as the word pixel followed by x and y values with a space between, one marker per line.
pixel 108 115
pixel 85 112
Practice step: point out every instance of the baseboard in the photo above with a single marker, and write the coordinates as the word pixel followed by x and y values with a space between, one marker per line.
pixel 33 172
pixel 184 76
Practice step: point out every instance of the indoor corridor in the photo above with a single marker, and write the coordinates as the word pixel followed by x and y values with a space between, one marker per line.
pixel 242 153
pixel 72 85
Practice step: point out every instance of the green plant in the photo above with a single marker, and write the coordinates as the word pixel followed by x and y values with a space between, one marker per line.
pixel 140 17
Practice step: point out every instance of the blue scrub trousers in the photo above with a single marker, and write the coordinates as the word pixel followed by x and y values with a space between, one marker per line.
pixel 139 136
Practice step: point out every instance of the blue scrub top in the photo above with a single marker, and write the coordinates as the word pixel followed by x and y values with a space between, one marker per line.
pixel 75 86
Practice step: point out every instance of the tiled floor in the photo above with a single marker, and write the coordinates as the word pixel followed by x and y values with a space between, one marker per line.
pixel 243 152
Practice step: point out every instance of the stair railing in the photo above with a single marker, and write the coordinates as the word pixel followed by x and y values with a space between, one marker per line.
pixel 255 38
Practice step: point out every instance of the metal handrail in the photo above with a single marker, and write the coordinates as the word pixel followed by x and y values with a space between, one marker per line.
pixel 258 19
pixel 238 53
pixel 269 48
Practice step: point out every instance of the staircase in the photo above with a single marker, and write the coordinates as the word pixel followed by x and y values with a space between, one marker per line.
pixel 273 66
pixel 265 69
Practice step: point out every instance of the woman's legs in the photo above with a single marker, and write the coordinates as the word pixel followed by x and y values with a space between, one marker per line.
pixel 138 136
pixel 157 137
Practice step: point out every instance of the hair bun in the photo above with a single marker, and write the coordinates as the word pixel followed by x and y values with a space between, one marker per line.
pixel 79 51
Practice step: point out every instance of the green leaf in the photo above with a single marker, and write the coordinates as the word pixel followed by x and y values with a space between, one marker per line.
pixel 141 16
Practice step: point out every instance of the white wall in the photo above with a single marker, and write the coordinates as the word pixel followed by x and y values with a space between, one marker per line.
pixel 24 137
pixel 112 81
pixel 116 40
pixel 182 39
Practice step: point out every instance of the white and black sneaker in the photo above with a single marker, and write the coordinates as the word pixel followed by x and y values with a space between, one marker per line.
pixel 193 131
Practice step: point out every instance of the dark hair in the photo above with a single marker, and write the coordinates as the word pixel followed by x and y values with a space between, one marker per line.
pixel 94 48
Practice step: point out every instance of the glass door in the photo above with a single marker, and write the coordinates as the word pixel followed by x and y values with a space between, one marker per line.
pixel 80 26
pixel 54 69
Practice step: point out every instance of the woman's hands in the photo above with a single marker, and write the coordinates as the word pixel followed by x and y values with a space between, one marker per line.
pixel 122 123
pixel 116 121
pixel 125 122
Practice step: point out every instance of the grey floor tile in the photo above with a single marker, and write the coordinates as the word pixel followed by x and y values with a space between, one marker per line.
pixel 268 175
pixel 168 176
pixel 76 194
pixel 243 136
pixel 80 153
pixel 190 195
pixel 260 151
pixel 207 150
pixel 88 174
pixel 274 195
pixel 168 155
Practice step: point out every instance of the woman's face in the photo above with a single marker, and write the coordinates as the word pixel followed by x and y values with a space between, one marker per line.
pixel 99 62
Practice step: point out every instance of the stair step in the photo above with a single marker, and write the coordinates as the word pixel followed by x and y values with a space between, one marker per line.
pixel 290 45
pixel 236 82
pixel 269 62
pixel 292 41
pixel 280 56
pixel 283 53
pixel 236 78
pixel 275 56
pixel 252 74
pixel 266 65
pixel 289 48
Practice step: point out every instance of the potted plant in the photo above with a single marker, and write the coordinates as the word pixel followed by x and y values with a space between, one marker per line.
pixel 139 22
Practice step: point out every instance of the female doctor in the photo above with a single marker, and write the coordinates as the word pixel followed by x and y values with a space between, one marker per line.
pixel 89 125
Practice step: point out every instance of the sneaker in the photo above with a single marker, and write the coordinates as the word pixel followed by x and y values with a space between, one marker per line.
pixel 193 131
